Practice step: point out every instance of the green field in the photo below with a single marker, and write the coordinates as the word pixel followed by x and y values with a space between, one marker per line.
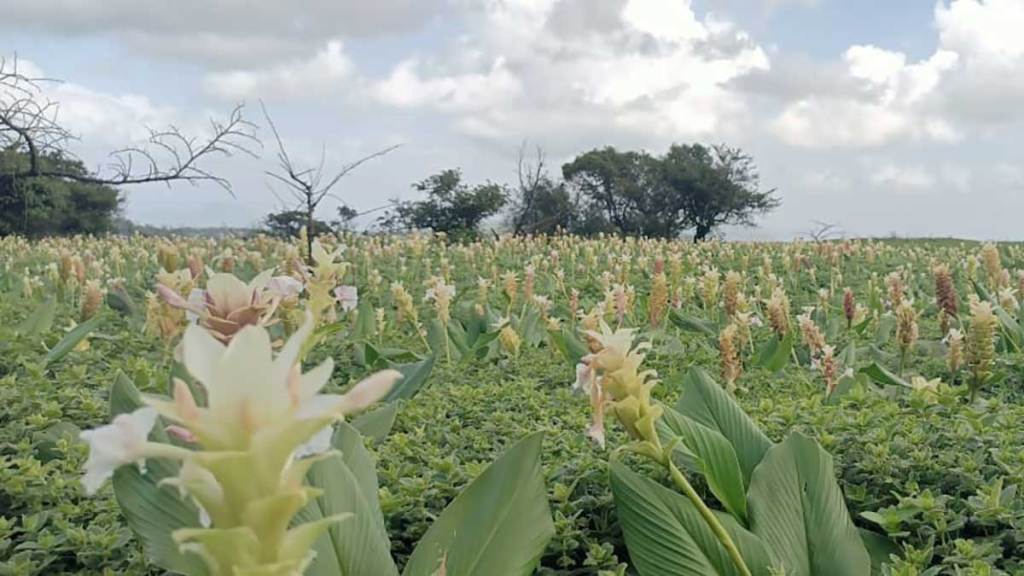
pixel 927 456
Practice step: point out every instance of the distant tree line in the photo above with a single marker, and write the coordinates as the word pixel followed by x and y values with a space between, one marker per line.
pixel 690 189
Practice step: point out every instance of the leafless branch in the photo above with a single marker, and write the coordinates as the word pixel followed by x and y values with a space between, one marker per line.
pixel 307 184
pixel 29 123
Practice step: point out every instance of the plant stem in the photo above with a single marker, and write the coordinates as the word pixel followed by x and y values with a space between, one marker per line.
pixel 709 517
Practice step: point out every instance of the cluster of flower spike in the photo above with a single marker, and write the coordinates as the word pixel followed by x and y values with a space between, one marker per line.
pixel 613 377
pixel 264 424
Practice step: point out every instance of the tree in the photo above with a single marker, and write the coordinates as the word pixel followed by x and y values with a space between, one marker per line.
pixel 715 185
pixel 45 206
pixel 451 206
pixel 539 205
pixel 39 167
pixel 307 185
pixel 627 189
pixel 289 223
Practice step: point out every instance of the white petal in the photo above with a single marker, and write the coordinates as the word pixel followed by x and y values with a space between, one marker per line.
pixel 202 352
pixel 289 353
pixel 116 444
pixel 369 391
pixel 228 292
pixel 285 286
pixel 204 516
pixel 244 376
pixel 196 302
pixel 316 378
pixel 258 283
pixel 318 444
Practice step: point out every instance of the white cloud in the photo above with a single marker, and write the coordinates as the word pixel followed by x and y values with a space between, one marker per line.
pixel 989 84
pixel 99 119
pixel 222 32
pixel 299 79
pixel 902 178
pixel 407 88
pixel 648 67
pixel 988 29
pixel 888 100
pixel 974 79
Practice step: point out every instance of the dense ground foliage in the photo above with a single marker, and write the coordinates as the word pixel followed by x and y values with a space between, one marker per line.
pixel 932 465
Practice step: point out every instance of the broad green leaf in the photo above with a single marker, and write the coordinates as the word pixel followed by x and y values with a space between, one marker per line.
pixel 376 424
pixel 153 512
pixel 693 324
pixel 797 508
pixel 714 457
pixel 457 336
pixel 848 357
pixel 572 349
pixel 886 325
pixel 776 353
pixel 366 321
pixel 879 548
pixel 440 342
pixel 71 339
pixel 882 375
pixel 845 385
pixel 498 526
pixel 360 544
pixel 414 376
pixel 118 299
pixel 709 404
pixel 40 320
pixel 1011 327
pixel 531 327
pixel 666 535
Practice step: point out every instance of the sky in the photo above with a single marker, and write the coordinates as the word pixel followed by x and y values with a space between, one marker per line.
pixel 879 116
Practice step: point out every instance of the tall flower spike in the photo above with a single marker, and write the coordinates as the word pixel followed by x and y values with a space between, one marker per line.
pixel 265 422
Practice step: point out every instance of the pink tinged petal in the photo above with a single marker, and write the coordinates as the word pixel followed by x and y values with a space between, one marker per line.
pixel 360 396
pixel 184 402
pixel 369 390
pixel 228 293
pixel 583 377
pixel 116 444
pixel 348 297
pixel 319 406
pixel 285 286
pixel 596 430
pixel 171 297
pixel 181 433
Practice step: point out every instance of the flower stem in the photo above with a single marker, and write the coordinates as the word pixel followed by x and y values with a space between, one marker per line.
pixel 716 527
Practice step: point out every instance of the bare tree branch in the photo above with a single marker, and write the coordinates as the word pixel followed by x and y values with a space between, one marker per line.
pixel 306 184
pixel 29 123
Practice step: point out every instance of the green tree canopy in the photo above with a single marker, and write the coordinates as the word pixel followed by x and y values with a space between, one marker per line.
pixel 47 205
pixel 451 206
pixel 288 224
pixel 714 186
pixel 692 187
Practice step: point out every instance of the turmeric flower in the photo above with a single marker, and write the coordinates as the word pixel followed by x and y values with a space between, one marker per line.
pixel 228 304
